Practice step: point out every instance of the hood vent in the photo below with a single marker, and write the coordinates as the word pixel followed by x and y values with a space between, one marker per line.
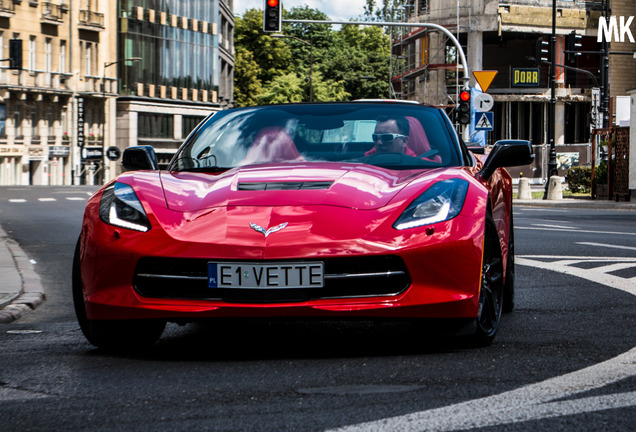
pixel 278 186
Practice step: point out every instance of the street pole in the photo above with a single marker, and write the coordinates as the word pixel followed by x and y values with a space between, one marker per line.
pixel 311 59
pixel 552 170
pixel 605 92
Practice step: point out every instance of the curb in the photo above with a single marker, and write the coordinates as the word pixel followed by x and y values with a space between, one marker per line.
pixel 30 294
pixel 577 203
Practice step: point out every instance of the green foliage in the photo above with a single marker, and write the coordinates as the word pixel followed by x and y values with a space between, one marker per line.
pixel 579 179
pixel 351 63
pixel 247 84
pixel 272 55
pixel 601 173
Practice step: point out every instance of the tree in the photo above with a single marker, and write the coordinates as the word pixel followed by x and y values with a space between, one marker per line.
pixel 247 85
pixel 272 55
pixel 286 88
pixel 360 58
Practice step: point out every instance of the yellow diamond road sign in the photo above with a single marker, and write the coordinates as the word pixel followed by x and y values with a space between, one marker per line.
pixel 484 78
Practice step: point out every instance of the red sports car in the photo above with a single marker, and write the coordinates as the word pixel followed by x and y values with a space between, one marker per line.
pixel 335 210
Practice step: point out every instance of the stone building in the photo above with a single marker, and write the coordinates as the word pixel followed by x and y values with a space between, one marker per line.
pixel 63 46
pixel 98 74
pixel 503 35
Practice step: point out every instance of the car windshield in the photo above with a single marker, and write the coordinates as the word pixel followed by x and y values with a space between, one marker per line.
pixel 392 135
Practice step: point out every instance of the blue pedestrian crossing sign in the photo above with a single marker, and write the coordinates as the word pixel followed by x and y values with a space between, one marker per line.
pixel 484 121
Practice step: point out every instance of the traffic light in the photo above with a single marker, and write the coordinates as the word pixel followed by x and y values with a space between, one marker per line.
pixel 272 16
pixel 463 109
pixel 574 44
pixel 15 54
pixel 542 51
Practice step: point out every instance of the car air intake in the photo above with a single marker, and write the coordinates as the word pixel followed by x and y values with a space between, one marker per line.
pixel 278 186
pixel 346 277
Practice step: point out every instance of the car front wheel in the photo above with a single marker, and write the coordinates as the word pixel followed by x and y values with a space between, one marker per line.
pixel 491 289
pixel 112 334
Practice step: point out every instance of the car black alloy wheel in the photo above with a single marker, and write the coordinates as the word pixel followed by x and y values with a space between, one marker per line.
pixel 491 289
pixel 127 335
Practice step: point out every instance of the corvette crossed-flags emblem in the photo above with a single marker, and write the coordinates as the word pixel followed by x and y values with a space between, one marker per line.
pixel 265 232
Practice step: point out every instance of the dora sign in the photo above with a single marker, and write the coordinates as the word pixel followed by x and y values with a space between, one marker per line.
pixel 528 77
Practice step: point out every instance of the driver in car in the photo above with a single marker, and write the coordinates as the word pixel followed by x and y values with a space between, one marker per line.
pixel 390 136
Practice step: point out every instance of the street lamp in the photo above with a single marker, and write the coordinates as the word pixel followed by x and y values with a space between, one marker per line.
pixel 311 59
pixel 107 136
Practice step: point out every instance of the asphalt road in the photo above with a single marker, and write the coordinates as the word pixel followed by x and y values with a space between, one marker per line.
pixel 563 359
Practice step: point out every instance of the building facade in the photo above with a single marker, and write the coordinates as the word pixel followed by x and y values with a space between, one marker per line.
pixel 62 47
pixel 185 71
pixel 94 77
pixel 504 35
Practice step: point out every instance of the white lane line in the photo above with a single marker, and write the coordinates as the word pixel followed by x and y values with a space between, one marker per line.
pixel 46 199
pixel 8 394
pixel 577 231
pixel 555 226
pixel 606 245
pixel 17 200
pixel 534 401
pixel 76 198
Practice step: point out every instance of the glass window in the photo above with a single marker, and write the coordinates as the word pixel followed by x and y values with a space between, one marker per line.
pixel 188 124
pixel 151 125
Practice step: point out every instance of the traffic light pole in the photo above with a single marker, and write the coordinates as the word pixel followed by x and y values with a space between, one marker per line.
pixel 460 51
pixel 552 165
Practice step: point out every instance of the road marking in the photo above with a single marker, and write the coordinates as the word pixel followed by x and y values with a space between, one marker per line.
pixel 606 245
pixel 555 226
pixel 76 198
pixel 7 394
pixel 541 400
pixel 570 230
pixel 46 199
pixel 16 200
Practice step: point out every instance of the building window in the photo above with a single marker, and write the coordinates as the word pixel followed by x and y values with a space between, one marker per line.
pixel 50 124
pixel 189 123
pixel 62 66
pixel 48 67
pixel 3 121
pixel 88 59
pixel 151 125
pixel 17 124
pixel 32 53
pixel 35 131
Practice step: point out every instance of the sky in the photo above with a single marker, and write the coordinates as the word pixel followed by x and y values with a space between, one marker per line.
pixel 337 10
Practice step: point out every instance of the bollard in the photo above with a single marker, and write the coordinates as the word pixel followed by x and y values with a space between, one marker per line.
pixel 524 189
pixel 555 191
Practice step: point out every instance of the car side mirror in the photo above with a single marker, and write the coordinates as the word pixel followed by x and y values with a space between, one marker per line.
pixel 507 153
pixel 139 158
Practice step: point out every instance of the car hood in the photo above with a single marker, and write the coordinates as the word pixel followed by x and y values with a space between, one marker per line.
pixel 355 186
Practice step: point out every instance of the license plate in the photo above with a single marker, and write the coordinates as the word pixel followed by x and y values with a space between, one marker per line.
pixel 266 276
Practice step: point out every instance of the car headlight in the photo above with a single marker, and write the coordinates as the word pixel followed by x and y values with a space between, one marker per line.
pixel 440 202
pixel 121 207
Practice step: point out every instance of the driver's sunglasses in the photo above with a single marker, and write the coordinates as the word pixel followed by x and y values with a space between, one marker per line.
pixel 386 138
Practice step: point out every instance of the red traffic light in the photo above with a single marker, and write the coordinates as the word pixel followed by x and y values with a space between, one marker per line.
pixel 465 96
pixel 272 3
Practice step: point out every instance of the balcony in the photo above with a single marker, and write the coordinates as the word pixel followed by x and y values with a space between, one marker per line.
pixel 7 8
pixel 89 20
pixel 51 14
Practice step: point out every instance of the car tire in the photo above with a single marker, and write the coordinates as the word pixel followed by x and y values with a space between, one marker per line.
pixel 491 289
pixel 509 284
pixel 112 334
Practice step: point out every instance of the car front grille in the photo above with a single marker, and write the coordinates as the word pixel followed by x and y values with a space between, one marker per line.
pixel 183 278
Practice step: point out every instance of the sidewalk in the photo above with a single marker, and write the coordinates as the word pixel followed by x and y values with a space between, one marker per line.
pixel 21 290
